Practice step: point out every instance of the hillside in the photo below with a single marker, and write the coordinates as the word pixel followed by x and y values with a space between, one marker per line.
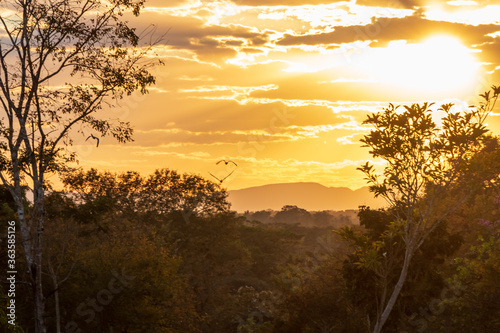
pixel 310 196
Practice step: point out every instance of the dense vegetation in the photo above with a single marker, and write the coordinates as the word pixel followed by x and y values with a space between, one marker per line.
pixel 165 253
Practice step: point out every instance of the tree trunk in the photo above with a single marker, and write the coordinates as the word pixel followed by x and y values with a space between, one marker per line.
pixel 33 256
pixel 55 283
pixel 58 312
pixel 37 287
pixel 395 293
pixel 38 218
pixel 32 245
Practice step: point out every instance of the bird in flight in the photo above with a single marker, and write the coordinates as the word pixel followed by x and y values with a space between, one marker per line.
pixel 227 162
pixel 95 138
pixel 221 180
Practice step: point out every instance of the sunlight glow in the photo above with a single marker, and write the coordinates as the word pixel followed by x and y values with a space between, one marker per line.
pixel 440 64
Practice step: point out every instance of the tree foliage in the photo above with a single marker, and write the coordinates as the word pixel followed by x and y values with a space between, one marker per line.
pixel 474 275
pixel 186 214
pixel 374 265
pixel 424 161
pixel 61 62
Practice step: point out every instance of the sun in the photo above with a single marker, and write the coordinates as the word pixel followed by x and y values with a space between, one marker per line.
pixel 439 66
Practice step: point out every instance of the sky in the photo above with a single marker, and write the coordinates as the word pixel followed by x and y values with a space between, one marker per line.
pixel 281 87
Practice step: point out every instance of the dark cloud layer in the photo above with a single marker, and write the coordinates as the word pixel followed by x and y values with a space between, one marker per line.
pixel 411 28
pixel 190 33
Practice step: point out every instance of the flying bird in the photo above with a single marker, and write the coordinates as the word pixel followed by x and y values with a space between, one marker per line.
pixel 95 138
pixel 227 162
pixel 221 180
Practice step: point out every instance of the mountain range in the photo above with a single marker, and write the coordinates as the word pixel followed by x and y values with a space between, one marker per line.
pixel 309 196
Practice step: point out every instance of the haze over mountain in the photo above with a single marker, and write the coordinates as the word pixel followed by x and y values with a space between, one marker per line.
pixel 310 196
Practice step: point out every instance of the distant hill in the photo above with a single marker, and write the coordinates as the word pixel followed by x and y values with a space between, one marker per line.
pixel 310 196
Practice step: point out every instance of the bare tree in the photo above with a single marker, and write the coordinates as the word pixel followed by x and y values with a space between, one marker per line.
pixel 61 62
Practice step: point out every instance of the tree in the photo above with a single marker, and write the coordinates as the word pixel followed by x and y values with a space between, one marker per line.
pixel 7 213
pixel 475 305
pixel 151 296
pixel 374 265
pixel 269 246
pixel 424 161
pixel 290 214
pixel 316 302
pixel 105 195
pixel 61 61
pixel 188 213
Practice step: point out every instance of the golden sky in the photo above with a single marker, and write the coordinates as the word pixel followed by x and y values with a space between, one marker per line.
pixel 281 86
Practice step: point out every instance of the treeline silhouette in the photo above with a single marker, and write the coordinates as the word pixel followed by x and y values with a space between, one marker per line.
pixel 291 214
pixel 165 253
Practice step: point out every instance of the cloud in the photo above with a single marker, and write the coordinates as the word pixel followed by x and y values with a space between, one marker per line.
pixel 461 3
pixel 163 3
pixel 397 4
pixel 210 43
pixel 465 14
pixel 179 136
pixel 197 78
pixel 283 2
pixel 490 52
pixel 411 28
pixel 234 91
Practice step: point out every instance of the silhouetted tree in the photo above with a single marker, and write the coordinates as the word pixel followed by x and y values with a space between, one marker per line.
pixel 291 214
pixel 375 264
pixel 87 45
pixel 422 158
